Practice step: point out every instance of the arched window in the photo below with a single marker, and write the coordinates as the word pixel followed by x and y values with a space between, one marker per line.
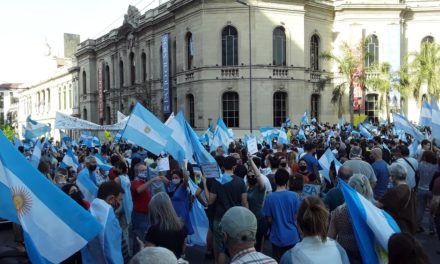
pixel 84 82
pixel 229 46
pixel 108 115
pixel 279 46
pixel 70 96
pixel 84 114
pixel 314 52
pixel 190 109
pixel 372 51
pixel 64 98
pixel 429 39
pixel 372 107
pixel 121 74
pixel 60 102
pixel 231 109
pixel 107 78
pixel 132 69
pixel 189 51
pixel 279 108
pixel 144 67
pixel 314 113
pixel 48 99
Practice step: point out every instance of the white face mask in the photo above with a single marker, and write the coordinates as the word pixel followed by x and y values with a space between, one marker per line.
pixel 176 181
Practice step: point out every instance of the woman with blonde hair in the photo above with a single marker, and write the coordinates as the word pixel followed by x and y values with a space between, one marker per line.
pixel 315 247
pixel 340 224
pixel 167 229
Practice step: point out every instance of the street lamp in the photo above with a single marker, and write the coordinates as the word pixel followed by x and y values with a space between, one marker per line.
pixel 250 62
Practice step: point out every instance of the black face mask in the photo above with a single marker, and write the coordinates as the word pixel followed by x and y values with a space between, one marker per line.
pixel 252 181
pixel 283 164
pixel 92 167
pixel 303 168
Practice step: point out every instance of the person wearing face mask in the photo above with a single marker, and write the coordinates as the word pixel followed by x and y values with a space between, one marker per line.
pixel 255 196
pixel 107 246
pixel 303 170
pixel 180 197
pixel 87 179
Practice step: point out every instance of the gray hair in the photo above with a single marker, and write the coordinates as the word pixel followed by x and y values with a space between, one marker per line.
pixel 163 214
pixel 397 172
pixel 362 185
pixel 154 255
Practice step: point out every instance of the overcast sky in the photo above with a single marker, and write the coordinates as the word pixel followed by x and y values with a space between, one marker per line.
pixel 26 24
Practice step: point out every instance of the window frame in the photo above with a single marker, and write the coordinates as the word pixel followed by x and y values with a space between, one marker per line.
pixel 279 108
pixel 231 108
pixel 279 45
pixel 228 38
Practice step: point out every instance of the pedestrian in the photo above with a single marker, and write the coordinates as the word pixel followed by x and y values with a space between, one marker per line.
pixel 380 168
pixel 427 168
pixel 403 248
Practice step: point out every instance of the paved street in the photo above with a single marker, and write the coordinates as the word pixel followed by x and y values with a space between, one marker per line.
pixel 196 254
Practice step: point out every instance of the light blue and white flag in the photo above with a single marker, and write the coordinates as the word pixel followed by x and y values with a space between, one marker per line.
pixel 425 114
pixel 364 131
pixel 96 142
pixel 69 160
pixel 325 161
pixel 282 137
pixel 102 163
pixel 36 154
pixel 17 142
pixel 54 225
pixel 301 134
pixel 402 123
pixel 413 148
pixel 203 158
pixel 314 120
pixel 198 219
pixel 87 139
pixel 179 145
pixel 330 135
pixel 372 226
pixel 65 138
pixel 220 139
pixel 355 133
pixel 144 129
pixel 34 129
pixel 269 132
pixel 435 123
pixel 304 119
pixel 224 128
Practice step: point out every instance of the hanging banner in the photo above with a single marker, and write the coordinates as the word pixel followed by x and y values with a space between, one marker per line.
pixel 63 121
pixel 166 75
pixel 100 93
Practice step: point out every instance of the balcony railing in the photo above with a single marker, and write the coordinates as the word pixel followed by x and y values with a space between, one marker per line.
pixel 315 77
pixel 232 73
pixel 280 73
pixel 372 74
pixel 189 76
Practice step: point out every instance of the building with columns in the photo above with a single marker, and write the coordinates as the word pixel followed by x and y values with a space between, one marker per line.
pixel 193 55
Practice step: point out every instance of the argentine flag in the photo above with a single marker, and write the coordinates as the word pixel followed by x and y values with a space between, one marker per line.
pixel 87 139
pixel 54 225
pixel 372 226
pixel 220 139
pixel 145 130
pixel 400 122
pixel 33 129
pixel 17 142
pixel 305 119
pixel 282 137
pixel 435 123
pixel 221 125
pixel 198 218
pixel 69 160
pixel 425 114
pixel 325 161
pixel 364 131
pixel 179 146
pixel 102 163
pixel 36 153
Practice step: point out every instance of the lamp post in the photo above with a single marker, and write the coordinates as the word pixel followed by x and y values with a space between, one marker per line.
pixel 250 63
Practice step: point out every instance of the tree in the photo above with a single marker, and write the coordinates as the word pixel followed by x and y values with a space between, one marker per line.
pixel 350 64
pixel 9 132
pixel 424 67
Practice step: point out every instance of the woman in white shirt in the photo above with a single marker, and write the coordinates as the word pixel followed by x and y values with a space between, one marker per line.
pixel 315 247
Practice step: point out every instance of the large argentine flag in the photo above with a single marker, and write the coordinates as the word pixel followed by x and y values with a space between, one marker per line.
pixel 425 114
pixel 33 129
pixel 145 130
pixel 69 160
pixel 325 161
pixel 179 146
pixel 402 123
pixel 435 123
pixel 372 226
pixel 54 225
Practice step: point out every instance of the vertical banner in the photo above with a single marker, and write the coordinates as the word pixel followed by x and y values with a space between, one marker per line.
pixel 166 75
pixel 100 94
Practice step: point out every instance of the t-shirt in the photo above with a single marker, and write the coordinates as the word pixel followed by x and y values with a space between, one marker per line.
pixel 380 168
pixel 362 167
pixel 410 172
pixel 282 207
pixel 172 240
pixel 140 200
pixel 311 162
pixel 255 200
pixel 399 202
pixel 334 198
pixel 426 171
pixel 228 195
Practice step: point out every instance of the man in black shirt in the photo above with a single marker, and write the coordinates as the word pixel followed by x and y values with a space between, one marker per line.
pixel 231 192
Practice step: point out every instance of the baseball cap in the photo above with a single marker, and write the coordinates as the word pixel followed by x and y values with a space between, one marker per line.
pixel 240 224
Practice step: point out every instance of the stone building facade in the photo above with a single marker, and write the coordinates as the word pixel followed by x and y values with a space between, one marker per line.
pixel 208 57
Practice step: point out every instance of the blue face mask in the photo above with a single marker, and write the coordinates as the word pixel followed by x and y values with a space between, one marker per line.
pixel 143 174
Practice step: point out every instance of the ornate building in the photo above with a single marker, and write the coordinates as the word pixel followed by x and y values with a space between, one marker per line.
pixel 193 55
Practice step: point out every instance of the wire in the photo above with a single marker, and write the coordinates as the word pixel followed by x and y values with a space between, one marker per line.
pixel 117 19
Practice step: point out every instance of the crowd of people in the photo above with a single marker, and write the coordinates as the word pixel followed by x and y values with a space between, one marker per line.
pixel 261 197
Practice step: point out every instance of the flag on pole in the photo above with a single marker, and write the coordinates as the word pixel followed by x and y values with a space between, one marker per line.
pixel 282 137
pixel 435 123
pixel 69 160
pixel 34 129
pixel 372 226
pixel 402 123
pixel 179 145
pixel 54 225
pixel 305 119
pixel 364 131
pixel 145 130
pixel 36 154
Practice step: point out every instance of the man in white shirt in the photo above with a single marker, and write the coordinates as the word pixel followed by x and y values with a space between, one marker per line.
pixel 411 165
